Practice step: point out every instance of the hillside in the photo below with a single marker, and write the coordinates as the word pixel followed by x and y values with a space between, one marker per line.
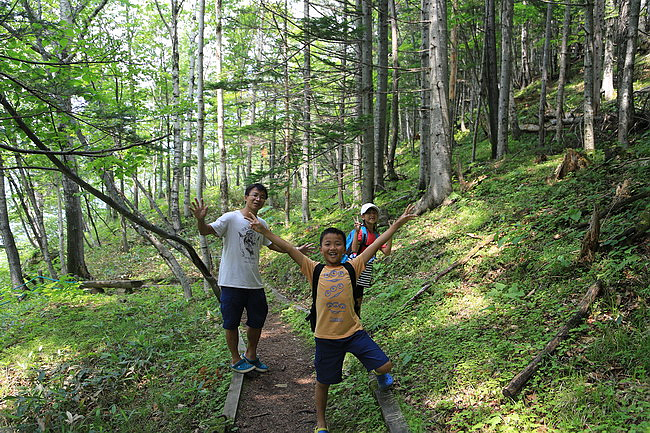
pixel 80 362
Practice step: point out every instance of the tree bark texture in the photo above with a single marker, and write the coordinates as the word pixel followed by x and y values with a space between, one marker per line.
pixel 440 144
pixel 8 240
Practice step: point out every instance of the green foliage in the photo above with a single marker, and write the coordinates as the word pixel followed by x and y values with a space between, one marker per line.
pixel 146 362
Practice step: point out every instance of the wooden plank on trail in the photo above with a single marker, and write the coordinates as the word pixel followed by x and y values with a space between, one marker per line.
pixel 234 391
pixel 390 410
pixel 118 284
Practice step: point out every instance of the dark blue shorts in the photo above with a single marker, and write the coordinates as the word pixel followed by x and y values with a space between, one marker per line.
pixel 233 302
pixel 330 354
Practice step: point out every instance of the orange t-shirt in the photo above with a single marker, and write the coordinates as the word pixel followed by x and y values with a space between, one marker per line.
pixel 335 315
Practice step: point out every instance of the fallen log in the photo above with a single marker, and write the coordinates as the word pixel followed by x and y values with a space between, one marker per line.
pixel 522 377
pixel 618 205
pixel 126 286
pixel 457 263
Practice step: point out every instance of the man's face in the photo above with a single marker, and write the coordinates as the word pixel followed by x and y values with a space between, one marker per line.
pixel 332 248
pixel 255 199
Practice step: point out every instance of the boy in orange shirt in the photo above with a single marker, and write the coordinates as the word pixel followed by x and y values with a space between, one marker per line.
pixel 338 327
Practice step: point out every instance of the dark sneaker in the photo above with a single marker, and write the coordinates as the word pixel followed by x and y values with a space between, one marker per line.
pixel 242 366
pixel 384 381
pixel 257 364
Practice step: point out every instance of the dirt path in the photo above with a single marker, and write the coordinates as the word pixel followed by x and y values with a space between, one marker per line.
pixel 281 400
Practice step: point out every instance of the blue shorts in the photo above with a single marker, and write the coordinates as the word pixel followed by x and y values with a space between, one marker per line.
pixel 233 302
pixel 330 354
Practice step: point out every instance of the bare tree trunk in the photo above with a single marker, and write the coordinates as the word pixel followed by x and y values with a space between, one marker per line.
pixel 306 143
pixel 59 214
pixel 625 91
pixel 599 18
pixel 381 97
pixel 343 111
pixel 589 143
pixel 526 75
pixel 425 108
pixel 608 61
pixel 8 241
pixel 287 119
pixel 221 143
pixel 189 121
pixel 177 144
pixel 440 155
pixel 491 71
pixel 504 79
pixel 561 81
pixel 390 163
pixel 368 151
pixel 40 232
pixel 545 66
pixel 200 145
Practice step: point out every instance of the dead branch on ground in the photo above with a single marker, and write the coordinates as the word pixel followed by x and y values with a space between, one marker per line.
pixel 522 377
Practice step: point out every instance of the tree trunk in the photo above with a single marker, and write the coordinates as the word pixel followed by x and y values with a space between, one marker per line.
pixel 390 163
pixel 440 154
pixel 491 73
pixel 599 18
pixel 177 144
pixel 366 120
pixel 13 257
pixel 40 232
pixel 425 108
pixel 561 81
pixel 287 119
pixel 625 91
pixel 589 143
pixel 76 262
pixel 608 61
pixel 221 143
pixel 200 129
pixel 381 93
pixel 526 75
pixel 59 214
pixel 306 139
pixel 189 121
pixel 545 66
pixel 504 79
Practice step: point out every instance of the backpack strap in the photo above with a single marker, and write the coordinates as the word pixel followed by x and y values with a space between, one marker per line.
pixel 311 317
pixel 356 292
pixel 364 238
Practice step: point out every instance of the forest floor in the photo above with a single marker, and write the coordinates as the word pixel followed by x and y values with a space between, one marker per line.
pixel 282 399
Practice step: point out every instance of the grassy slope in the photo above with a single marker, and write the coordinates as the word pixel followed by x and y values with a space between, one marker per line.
pixel 471 332
pixel 158 361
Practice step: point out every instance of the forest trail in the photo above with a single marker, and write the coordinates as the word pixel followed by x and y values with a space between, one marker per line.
pixel 282 399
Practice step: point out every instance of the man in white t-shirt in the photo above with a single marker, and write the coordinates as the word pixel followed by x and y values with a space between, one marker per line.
pixel 239 275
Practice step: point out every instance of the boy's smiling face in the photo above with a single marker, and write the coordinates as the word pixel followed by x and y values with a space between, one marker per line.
pixel 332 248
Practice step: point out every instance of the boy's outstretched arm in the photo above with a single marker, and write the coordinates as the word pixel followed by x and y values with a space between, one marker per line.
pixel 287 247
pixel 388 234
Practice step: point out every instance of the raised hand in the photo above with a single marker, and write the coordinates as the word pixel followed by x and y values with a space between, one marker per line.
pixel 407 215
pixel 357 224
pixel 307 248
pixel 255 223
pixel 198 209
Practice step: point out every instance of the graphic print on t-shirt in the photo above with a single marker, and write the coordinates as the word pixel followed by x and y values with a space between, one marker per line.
pixel 248 244
pixel 334 288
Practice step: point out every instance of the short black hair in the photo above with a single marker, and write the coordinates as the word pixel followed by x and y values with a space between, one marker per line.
pixel 257 186
pixel 332 230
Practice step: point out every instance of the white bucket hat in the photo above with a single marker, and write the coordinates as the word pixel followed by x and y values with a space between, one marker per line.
pixel 367 206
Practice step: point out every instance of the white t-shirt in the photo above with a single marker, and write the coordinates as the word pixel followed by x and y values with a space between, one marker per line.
pixel 240 257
